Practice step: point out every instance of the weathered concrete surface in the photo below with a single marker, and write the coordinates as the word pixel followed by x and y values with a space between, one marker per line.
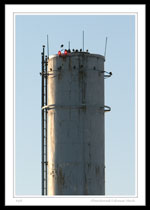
pixel 76 125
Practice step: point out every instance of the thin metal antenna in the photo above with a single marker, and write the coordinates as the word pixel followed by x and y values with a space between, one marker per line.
pixel 47 46
pixel 69 45
pixel 105 47
pixel 83 41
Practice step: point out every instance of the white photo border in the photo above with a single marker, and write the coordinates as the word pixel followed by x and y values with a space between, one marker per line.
pixel 10 12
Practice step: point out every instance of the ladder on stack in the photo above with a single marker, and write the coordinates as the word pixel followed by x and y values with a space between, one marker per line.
pixel 44 122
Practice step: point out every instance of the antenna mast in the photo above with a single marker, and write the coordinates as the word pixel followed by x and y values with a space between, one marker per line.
pixel 69 45
pixel 83 40
pixel 47 46
pixel 105 47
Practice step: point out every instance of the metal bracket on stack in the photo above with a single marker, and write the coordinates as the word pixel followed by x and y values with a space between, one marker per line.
pixel 107 108
pixel 82 106
pixel 107 74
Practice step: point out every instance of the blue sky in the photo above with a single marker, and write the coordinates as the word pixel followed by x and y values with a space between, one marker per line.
pixel 31 32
